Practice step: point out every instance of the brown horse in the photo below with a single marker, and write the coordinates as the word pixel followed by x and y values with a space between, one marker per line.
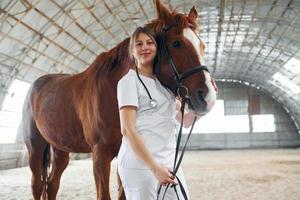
pixel 79 113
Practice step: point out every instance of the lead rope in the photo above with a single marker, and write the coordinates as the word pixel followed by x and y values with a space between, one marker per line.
pixel 177 164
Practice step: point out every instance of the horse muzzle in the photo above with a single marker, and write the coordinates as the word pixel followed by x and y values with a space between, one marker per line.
pixel 201 103
pixel 198 104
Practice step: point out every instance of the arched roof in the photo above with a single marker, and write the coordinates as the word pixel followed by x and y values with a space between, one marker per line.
pixel 247 40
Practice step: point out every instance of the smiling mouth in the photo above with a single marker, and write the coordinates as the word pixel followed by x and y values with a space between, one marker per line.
pixel 145 54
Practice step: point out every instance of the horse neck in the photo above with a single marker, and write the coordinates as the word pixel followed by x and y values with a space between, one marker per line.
pixel 99 85
pixel 111 65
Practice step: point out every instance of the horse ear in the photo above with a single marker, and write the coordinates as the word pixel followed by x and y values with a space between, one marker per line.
pixel 162 12
pixel 193 15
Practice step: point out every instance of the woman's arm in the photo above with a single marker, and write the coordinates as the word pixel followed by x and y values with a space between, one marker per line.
pixel 188 117
pixel 128 119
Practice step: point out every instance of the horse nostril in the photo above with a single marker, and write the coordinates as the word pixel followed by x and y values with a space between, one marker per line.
pixel 201 92
pixel 201 95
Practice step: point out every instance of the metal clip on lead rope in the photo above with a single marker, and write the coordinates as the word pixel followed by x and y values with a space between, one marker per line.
pixel 185 90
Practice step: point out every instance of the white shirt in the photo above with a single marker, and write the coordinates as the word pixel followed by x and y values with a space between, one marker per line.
pixel 155 125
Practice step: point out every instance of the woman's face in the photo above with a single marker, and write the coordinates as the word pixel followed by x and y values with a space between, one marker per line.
pixel 144 50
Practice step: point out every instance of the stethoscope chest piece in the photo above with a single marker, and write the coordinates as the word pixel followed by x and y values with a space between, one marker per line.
pixel 153 103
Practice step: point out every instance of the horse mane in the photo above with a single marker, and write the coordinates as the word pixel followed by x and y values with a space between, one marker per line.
pixel 177 18
pixel 108 61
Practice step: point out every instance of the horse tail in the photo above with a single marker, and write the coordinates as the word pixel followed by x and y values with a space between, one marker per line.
pixel 46 165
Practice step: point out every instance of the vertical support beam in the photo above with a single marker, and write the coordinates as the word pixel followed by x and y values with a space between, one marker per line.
pixel 220 29
pixel 250 111
pixel 4 86
pixel 2 89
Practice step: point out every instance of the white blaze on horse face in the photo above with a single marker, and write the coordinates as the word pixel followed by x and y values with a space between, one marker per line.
pixel 192 37
pixel 212 93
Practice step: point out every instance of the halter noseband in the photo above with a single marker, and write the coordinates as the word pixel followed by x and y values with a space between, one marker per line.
pixel 176 75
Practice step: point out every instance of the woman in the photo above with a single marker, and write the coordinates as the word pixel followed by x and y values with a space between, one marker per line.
pixel 147 116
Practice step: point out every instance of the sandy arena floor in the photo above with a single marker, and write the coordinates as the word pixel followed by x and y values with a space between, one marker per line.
pixel 211 175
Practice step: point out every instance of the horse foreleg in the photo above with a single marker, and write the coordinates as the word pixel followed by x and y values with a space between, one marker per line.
pixel 59 164
pixel 101 166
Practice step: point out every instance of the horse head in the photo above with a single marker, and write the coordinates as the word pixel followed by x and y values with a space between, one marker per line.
pixel 178 64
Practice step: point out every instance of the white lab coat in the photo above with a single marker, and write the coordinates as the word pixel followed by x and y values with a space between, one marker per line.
pixel 157 128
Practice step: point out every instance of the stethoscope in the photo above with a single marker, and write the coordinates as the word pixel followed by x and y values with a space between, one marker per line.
pixel 153 103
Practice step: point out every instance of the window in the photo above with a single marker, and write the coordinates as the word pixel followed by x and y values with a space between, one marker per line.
pixel 263 123
pixel 217 122
pixel 11 113
pixel 236 107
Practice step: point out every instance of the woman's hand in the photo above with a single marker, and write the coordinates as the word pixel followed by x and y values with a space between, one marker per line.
pixel 163 175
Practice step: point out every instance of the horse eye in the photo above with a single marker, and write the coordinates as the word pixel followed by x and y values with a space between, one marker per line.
pixel 176 44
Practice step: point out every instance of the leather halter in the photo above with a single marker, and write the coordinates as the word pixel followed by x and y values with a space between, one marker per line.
pixel 179 86
pixel 178 77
